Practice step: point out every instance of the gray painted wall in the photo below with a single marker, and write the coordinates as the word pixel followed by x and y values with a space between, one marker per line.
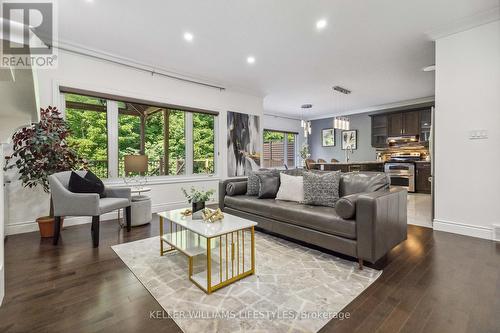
pixel 365 151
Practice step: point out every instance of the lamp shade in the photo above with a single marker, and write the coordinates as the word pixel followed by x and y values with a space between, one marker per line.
pixel 136 163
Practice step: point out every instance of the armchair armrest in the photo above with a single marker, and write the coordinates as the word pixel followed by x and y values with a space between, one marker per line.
pixel 381 222
pixel 118 192
pixel 222 188
pixel 67 203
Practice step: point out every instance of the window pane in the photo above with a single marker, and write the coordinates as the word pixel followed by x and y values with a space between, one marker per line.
pixel 154 143
pixel 274 149
pixel 176 143
pixel 203 143
pixel 129 134
pixel 290 156
pixel 135 119
pixel 86 117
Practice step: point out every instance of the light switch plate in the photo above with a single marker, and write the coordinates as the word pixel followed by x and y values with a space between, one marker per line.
pixel 478 134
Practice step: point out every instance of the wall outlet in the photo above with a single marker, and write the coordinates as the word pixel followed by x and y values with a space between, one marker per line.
pixel 478 134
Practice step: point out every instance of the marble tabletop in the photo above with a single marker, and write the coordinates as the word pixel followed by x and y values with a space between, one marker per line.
pixel 228 224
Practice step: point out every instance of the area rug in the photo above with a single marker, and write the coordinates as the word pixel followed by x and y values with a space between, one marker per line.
pixel 294 289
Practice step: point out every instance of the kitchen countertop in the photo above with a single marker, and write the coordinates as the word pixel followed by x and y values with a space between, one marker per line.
pixel 351 163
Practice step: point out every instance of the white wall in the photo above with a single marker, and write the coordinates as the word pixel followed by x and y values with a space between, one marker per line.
pixel 2 261
pixel 19 102
pixel 96 75
pixel 468 98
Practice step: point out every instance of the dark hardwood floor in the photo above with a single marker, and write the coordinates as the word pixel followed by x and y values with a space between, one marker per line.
pixel 434 282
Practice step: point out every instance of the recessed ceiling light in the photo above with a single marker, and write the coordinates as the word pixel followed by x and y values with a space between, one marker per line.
pixel 251 60
pixel 188 36
pixel 89 0
pixel 321 24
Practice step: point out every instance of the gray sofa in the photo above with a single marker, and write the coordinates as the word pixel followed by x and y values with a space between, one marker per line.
pixel 378 225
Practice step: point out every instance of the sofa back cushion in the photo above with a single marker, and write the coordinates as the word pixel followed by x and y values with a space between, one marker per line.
pixel 357 182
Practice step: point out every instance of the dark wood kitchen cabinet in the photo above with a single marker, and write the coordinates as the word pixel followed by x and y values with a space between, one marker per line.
pixel 422 174
pixel 404 123
pixel 395 124
pixel 411 123
pixel 425 126
pixel 416 122
pixel 379 130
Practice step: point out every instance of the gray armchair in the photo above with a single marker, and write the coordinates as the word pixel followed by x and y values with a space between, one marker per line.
pixel 67 203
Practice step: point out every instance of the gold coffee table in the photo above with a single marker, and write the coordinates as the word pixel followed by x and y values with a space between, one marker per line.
pixel 222 247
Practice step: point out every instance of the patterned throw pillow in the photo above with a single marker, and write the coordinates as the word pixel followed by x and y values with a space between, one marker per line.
pixel 253 184
pixel 321 189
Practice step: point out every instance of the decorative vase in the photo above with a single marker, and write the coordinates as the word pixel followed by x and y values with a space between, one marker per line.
pixel 46 226
pixel 198 210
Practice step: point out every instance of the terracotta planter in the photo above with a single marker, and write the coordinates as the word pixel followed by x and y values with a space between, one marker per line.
pixel 46 226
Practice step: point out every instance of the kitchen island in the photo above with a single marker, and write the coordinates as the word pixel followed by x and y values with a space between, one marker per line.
pixel 350 166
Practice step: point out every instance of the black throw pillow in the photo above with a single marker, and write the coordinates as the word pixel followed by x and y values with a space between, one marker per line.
pixel 88 184
pixel 269 185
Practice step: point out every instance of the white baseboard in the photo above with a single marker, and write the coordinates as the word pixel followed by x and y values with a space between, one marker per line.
pixel 463 229
pixel 30 226
pixel 2 283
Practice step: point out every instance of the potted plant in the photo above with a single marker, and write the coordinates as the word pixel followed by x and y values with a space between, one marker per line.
pixel 40 150
pixel 304 152
pixel 198 198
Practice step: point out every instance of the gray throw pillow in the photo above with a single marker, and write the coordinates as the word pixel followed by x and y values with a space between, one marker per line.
pixel 321 189
pixel 253 180
pixel 269 185
pixel 236 188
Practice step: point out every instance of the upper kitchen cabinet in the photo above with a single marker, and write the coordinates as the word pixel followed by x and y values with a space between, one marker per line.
pixel 379 130
pixel 395 124
pixel 425 125
pixel 404 123
pixel 411 125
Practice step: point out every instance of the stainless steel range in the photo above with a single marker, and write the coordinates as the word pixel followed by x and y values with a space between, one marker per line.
pixel 401 169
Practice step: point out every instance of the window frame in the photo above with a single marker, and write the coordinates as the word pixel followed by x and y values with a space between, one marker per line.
pixel 112 127
pixel 285 146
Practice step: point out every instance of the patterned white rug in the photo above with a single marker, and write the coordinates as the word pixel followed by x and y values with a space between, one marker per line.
pixel 295 289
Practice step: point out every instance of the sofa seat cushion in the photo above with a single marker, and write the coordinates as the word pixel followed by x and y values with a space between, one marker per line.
pixel 320 218
pixel 250 204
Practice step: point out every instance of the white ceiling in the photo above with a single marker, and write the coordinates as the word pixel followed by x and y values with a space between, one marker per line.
pixel 376 48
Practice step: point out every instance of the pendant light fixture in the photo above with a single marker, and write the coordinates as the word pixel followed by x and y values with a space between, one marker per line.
pixel 305 124
pixel 341 123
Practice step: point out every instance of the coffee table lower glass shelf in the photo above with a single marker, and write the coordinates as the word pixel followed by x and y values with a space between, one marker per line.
pixel 216 261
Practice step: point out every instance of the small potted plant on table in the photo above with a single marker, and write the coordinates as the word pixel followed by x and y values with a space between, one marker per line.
pixel 198 198
pixel 40 150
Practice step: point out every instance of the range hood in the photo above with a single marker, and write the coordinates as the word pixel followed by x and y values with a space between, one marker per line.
pixel 405 140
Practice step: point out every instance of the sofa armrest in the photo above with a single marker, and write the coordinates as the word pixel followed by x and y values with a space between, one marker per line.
pixel 381 222
pixel 222 188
